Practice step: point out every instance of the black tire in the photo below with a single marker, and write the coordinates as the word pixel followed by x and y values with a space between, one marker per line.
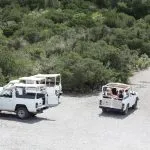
pixel 22 113
pixel 135 105
pixel 125 112
pixel 104 110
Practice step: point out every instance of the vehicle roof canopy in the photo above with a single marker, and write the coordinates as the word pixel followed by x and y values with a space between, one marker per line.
pixel 36 87
pixel 33 78
pixel 14 81
pixel 46 75
pixel 28 85
pixel 118 85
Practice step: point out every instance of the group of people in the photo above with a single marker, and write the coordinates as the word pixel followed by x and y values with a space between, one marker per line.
pixel 117 94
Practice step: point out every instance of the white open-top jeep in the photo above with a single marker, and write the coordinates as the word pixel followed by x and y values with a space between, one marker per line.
pixel 118 97
pixel 24 99
pixel 52 83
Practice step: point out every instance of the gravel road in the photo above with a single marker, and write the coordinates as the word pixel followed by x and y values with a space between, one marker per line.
pixel 78 124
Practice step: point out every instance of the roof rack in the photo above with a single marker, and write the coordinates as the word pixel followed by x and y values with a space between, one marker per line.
pixel 118 85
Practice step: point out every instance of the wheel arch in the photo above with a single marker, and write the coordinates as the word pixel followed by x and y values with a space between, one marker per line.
pixel 20 105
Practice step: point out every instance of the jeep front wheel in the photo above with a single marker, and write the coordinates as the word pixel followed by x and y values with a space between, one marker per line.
pixel 135 105
pixel 22 113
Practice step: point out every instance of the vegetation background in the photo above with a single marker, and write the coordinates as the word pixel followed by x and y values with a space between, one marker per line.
pixel 90 42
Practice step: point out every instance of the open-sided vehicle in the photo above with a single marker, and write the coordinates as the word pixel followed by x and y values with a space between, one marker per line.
pixel 53 86
pixel 52 83
pixel 118 97
pixel 51 80
pixel 24 99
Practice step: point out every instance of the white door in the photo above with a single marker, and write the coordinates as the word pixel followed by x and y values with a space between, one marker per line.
pixel 6 100
pixel 132 99
pixel 53 99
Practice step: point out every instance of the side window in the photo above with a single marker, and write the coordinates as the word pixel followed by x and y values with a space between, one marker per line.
pixel 7 93
pixel 50 82
pixel 30 82
pixel 105 92
pixel 21 93
pixel 57 80
pixel 42 82
pixel 39 95
pixel 37 82
pixel 22 81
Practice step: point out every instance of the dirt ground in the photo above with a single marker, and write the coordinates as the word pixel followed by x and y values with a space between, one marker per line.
pixel 78 124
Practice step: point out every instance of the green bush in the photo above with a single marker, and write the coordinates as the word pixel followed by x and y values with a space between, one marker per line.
pixel 89 46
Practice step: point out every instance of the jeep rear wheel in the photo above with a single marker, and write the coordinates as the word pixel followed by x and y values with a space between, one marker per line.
pixel 22 113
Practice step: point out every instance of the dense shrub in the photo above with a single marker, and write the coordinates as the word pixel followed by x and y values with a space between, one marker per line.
pixel 90 42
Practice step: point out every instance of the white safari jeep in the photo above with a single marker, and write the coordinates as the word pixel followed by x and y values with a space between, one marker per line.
pixel 118 97
pixel 24 99
pixel 52 83
pixel 53 87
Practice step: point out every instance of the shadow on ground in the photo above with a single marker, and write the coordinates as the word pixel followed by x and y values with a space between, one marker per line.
pixel 86 95
pixel 30 120
pixel 116 115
